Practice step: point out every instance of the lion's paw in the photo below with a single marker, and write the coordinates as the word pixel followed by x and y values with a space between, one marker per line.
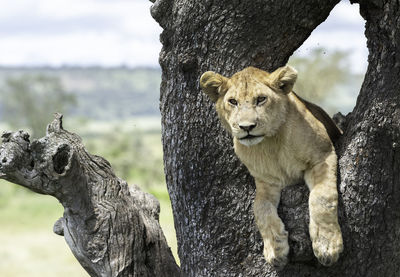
pixel 327 244
pixel 276 250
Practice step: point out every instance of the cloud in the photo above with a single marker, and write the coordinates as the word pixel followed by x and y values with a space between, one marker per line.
pixel 82 32
pixel 79 49
pixel 116 32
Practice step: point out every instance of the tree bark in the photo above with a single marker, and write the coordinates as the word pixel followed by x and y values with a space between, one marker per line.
pixel 212 193
pixel 112 229
pixel 370 152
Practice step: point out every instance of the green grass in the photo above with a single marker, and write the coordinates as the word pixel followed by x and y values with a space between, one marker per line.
pixel 28 246
pixel 22 209
pixel 166 218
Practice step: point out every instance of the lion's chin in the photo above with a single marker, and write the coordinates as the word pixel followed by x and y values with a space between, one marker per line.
pixel 251 141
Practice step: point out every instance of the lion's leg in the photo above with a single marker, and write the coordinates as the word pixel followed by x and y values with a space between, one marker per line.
pixel 272 229
pixel 325 231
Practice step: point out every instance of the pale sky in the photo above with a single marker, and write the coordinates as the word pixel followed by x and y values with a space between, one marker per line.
pixel 122 32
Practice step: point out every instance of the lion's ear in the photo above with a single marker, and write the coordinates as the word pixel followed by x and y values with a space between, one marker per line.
pixel 284 78
pixel 211 84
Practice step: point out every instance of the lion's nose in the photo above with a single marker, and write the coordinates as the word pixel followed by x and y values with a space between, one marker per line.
pixel 247 127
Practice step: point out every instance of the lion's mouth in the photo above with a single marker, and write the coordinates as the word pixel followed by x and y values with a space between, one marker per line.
pixel 251 137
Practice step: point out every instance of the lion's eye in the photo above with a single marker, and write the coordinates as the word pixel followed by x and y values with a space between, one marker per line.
pixel 232 102
pixel 261 99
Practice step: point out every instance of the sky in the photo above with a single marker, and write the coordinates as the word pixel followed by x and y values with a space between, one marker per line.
pixel 122 32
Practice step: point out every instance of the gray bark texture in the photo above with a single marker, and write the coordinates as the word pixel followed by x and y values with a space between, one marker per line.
pixel 111 228
pixel 212 192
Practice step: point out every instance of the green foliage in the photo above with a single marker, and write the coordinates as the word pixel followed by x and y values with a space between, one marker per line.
pixel 31 100
pixel 325 77
pixel 15 200
pixel 319 73
pixel 102 93
pixel 135 156
pixel 115 93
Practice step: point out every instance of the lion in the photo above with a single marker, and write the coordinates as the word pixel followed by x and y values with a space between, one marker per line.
pixel 281 139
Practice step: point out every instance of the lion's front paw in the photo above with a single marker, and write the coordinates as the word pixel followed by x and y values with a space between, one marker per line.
pixel 327 243
pixel 276 250
pixel 278 262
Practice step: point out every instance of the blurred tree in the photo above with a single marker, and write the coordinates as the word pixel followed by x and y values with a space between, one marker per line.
pixel 132 158
pixel 31 100
pixel 325 73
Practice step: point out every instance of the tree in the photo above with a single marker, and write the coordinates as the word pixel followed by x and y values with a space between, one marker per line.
pixel 112 229
pixel 323 74
pixel 211 192
pixel 27 100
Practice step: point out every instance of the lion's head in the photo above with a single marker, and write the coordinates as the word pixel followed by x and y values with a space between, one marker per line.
pixel 252 103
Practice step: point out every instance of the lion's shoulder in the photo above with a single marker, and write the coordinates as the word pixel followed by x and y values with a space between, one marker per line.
pixel 332 129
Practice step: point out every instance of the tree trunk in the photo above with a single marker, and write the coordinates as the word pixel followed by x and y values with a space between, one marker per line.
pixel 212 193
pixel 370 152
pixel 112 229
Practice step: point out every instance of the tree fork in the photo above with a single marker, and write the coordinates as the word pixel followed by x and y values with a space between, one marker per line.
pixel 212 193
pixel 111 228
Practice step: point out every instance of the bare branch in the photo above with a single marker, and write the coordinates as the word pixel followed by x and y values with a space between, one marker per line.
pixel 111 228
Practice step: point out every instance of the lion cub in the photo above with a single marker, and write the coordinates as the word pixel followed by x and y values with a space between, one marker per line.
pixel 281 139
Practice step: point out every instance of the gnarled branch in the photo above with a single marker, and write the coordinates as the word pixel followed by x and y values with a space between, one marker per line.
pixel 111 228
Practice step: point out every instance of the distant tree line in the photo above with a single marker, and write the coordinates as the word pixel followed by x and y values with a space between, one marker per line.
pixel 29 97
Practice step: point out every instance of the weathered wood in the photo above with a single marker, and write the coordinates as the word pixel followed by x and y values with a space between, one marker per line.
pixel 370 152
pixel 111 228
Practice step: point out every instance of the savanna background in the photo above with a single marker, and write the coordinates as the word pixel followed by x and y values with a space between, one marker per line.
pixel 95 61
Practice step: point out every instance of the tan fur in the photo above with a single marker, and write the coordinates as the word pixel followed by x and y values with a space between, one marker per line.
pixel 287 143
